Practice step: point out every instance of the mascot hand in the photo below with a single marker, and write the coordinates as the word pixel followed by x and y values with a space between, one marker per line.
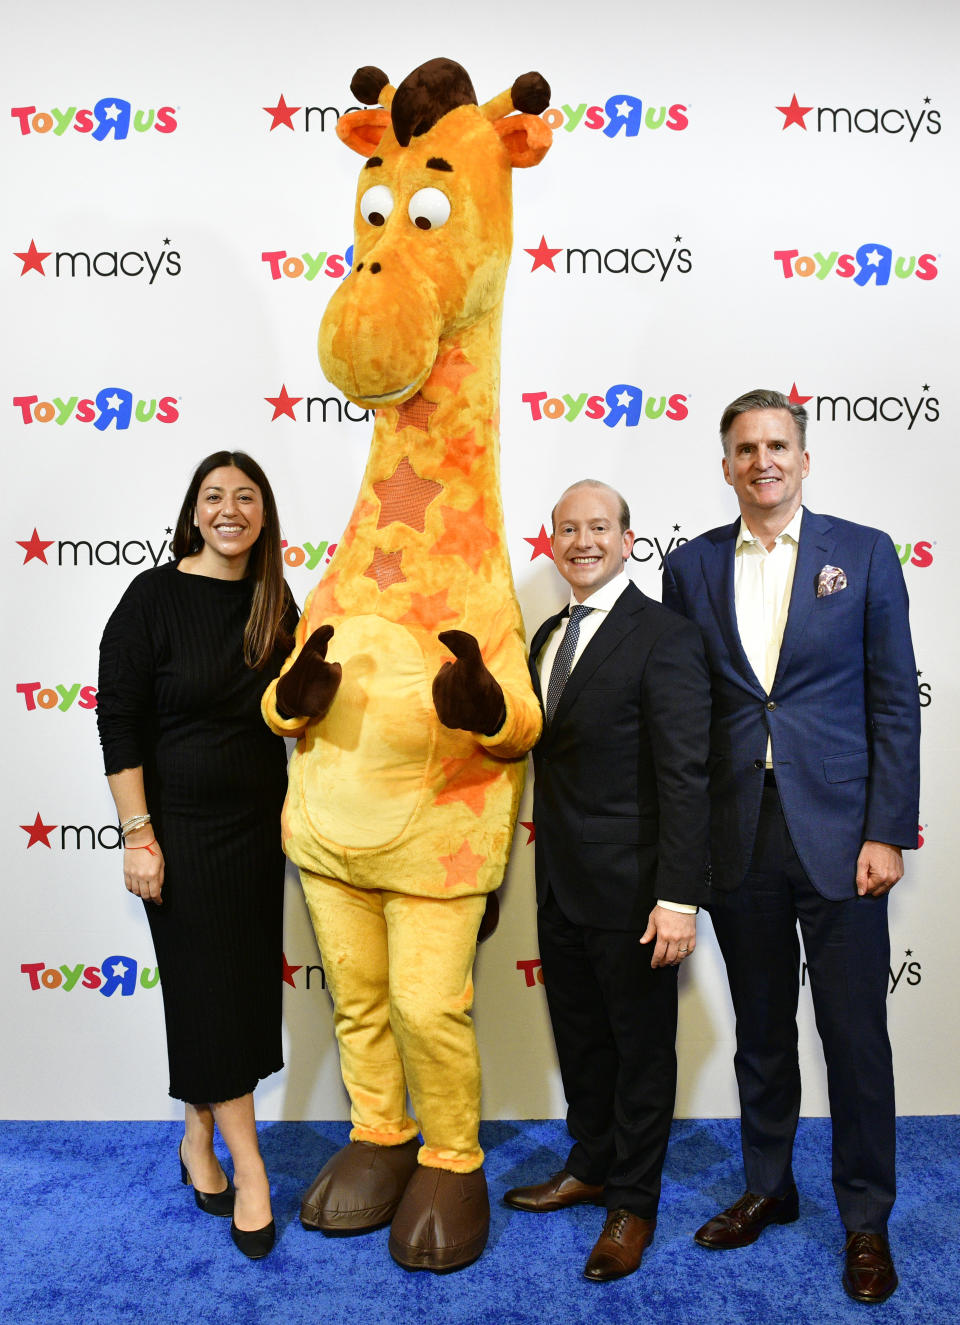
pixel 465 695
pixel 307 690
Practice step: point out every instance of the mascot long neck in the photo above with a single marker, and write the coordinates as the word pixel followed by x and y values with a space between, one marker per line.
pixel 429 515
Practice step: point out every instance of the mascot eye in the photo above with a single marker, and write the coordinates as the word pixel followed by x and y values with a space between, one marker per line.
pixel 376 204
pixel 429 209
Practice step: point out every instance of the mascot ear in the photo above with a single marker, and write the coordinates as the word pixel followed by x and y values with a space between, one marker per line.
pixel 526 138
pixel 362 130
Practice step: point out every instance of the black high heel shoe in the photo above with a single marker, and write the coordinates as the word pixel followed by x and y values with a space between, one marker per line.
pixel 211 1203
pixel 256 1244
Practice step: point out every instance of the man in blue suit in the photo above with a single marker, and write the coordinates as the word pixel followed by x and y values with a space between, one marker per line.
pixel 814 787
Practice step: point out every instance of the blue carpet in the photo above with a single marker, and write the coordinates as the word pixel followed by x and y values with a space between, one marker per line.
pixel 99 1230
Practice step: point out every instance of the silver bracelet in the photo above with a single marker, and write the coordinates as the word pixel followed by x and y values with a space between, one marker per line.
pixel 133 823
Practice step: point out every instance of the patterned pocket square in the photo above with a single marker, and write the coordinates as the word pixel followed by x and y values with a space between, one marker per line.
pixel 830 580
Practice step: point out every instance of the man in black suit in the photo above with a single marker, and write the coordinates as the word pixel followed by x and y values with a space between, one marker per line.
pixel 621 814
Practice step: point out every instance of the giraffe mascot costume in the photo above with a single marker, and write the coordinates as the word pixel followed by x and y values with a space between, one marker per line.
pixel 406 779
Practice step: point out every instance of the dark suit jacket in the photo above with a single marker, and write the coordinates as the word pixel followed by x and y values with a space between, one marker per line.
pixel 843 711
pixel 620 797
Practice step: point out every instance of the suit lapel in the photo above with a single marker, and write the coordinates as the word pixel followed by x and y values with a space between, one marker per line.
pixel 718 561
pixel 619 621
pixel 813 553
pixel 536 645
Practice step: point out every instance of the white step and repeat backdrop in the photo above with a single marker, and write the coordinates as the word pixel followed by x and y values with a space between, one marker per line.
pixel 736 196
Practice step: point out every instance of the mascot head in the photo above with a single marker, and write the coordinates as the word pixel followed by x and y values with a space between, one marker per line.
pixel 433 222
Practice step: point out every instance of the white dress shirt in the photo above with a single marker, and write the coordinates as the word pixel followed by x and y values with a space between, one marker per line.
pixel 762 583
pixel 601 602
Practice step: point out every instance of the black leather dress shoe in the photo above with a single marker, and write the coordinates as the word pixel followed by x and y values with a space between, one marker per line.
pixel 257 1243
pixel 868 1274
pixel 746 1219
pixel 558 1192
pixel 211 1203
pixel 619 1249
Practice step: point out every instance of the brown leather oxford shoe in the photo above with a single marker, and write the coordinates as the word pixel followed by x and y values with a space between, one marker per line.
pixel 619 1249
pixel 559 1192
pixel 744 1221
pixel 868 1274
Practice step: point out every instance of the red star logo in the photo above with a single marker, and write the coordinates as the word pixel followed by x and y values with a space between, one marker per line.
pixel 414 413
pixel 795 397
pixel 282 114
pixel 544 255
pixel 283 404
pixel 531 831
pixel 38 831
pixel 540 544
pixel 35 548
pixel 32 260
pixel 794 113
pixel 288 972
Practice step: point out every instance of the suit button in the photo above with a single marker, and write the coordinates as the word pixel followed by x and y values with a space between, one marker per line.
pixel 758 763
pixel 771 705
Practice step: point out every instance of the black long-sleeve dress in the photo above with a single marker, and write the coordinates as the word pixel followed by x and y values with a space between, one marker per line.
pixel 176 697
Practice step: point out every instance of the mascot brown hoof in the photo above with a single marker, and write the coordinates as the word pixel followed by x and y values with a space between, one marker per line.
pixel 359 1188
pixel 443 1221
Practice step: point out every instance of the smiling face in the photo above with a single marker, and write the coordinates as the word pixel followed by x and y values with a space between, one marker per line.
pixel 588 546
pixel 432 237
pixel 765 466
pixel 229 515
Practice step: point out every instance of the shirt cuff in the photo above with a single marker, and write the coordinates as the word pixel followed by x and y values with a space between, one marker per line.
pixel 682 907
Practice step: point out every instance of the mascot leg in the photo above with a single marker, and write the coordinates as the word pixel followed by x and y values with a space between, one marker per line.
pixel 443 1219
pixel 360 1187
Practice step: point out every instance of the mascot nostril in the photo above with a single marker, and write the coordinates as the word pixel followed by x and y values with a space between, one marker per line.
pixel 409 765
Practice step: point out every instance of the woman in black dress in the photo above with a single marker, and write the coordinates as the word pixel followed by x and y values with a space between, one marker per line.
pixel 198 781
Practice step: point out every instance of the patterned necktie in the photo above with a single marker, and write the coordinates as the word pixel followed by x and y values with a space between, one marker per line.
pixel 563 662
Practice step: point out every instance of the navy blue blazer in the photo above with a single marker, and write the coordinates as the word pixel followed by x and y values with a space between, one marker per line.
pixel 620 791
pixel 843 712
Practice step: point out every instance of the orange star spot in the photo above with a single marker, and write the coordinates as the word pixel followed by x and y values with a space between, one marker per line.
pixel 467 780
pixel 323 601
pixel 463 452
pixel 448 372
pixel 465 535
pixel 414 413
pixel 385 568
pixel 461 867
pixel 404 497
pixel 428 610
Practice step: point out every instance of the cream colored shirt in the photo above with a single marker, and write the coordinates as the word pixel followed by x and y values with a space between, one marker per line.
pixel 762 583
pixel 601 602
